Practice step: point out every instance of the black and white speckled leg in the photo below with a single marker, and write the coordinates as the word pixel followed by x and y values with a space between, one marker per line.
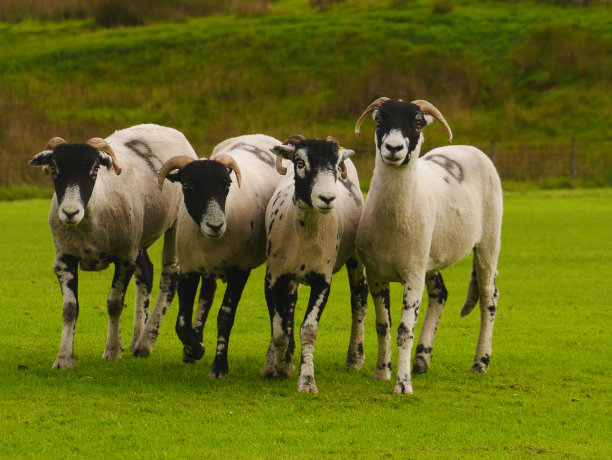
pixel 66 268
pixel 359 306
pixel 124 269
pixel 167 288
pixel 143 278
pixel 437 295
pixel 277 295
pixel 380 295
pixel 236 280
pixel 405 333
pixel 319 292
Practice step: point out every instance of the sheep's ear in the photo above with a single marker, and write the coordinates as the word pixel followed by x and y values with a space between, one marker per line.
pixel 41 159
pixel 346 153
pixel 285 151
pixel 106 160
pixel 174 176
pixel 428 119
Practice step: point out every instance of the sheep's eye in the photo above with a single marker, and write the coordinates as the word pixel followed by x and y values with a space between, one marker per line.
pixel 94 173
pixel 300 164
pixel 53 171
pixel 377 119
pixel 227 188
pixel 186 186
pixel 418 124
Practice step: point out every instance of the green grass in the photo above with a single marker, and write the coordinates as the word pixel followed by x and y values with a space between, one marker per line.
pixel 547 392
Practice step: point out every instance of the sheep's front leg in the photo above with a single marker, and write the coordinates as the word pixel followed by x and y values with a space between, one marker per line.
pixel 380 294
pixel 143 277
pixel 236 279
pixel 319 292
pixel 413 291
pixel 270 364
pixel 66 268
pixel 124 269
pixel 436 294
pixel 167 288
pixel 205 301
pixel 278 299
pixel 359 305
pixel 187 288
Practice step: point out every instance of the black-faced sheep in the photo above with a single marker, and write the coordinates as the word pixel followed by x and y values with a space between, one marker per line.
pixel 99 216
pixel 311 225
pixel 220 233
pixel 422 215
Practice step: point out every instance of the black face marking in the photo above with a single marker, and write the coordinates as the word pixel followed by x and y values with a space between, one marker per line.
pixel 402 116
pixel 260 154
pixel 204 181
pixel 454 169
pixel 145 153
pixel 322 156
pixel 74 165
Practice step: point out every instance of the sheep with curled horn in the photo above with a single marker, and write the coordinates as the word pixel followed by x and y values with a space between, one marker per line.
pixel 422 215
pixel 113 214
pixel 311 224
pixel 220 234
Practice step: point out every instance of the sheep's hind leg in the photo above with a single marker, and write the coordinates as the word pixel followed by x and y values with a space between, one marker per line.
pixel 270 364
pixel 359 305
pixel 380 294
pixel 143 278
pixel 488 305
pixel 167 288
pixel 319 292
pixel 236 280
pixel 67 271
pixel 124 270
pixel 187 288
pixel 437 295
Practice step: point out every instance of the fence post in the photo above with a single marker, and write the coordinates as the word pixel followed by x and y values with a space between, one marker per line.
pixel 574 162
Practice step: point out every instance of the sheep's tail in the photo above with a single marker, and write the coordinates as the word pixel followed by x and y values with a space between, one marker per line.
pixel 473 293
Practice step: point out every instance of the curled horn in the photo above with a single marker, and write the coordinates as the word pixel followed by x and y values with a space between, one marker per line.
pixel 230 163
pixel 428 108
pixel 176 162
pixel 53 142
pixel 369 109
pixel 292 140
pixel 103 146
pixel 342 165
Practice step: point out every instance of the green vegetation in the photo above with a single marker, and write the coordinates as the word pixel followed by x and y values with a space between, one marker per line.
pixel 547 393
pixel 527 74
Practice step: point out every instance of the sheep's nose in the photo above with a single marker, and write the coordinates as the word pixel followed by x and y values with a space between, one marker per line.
pixel 213 227
pixel 327 199
pixel 69 214
pixel 393 148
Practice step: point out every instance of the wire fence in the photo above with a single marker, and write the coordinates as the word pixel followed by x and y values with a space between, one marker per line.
pixel 576 159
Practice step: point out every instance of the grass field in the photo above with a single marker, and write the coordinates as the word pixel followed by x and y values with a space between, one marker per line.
pixel 548 391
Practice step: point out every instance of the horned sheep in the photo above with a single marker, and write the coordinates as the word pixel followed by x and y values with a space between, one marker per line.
pixel 420 216
pixel 100 216
pixel 311 225
pixel 220 234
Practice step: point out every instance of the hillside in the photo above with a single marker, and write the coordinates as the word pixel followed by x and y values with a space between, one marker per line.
pixel 525 74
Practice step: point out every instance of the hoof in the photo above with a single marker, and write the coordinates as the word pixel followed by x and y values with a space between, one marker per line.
pixel 141 352
pixel 383 372
pixel 307 385
pixel 193 352
pixel 420 366
pixel 479 368
pixel 217 374
pixel 63 363
pixel 354 361
pixel 403 388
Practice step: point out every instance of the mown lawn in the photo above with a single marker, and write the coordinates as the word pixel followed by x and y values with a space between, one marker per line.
pixel 547 392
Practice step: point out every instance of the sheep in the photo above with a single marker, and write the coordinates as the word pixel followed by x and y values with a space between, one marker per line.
pixel 420 216
pixel 311 225
pixel 220 234
pixel 98 217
